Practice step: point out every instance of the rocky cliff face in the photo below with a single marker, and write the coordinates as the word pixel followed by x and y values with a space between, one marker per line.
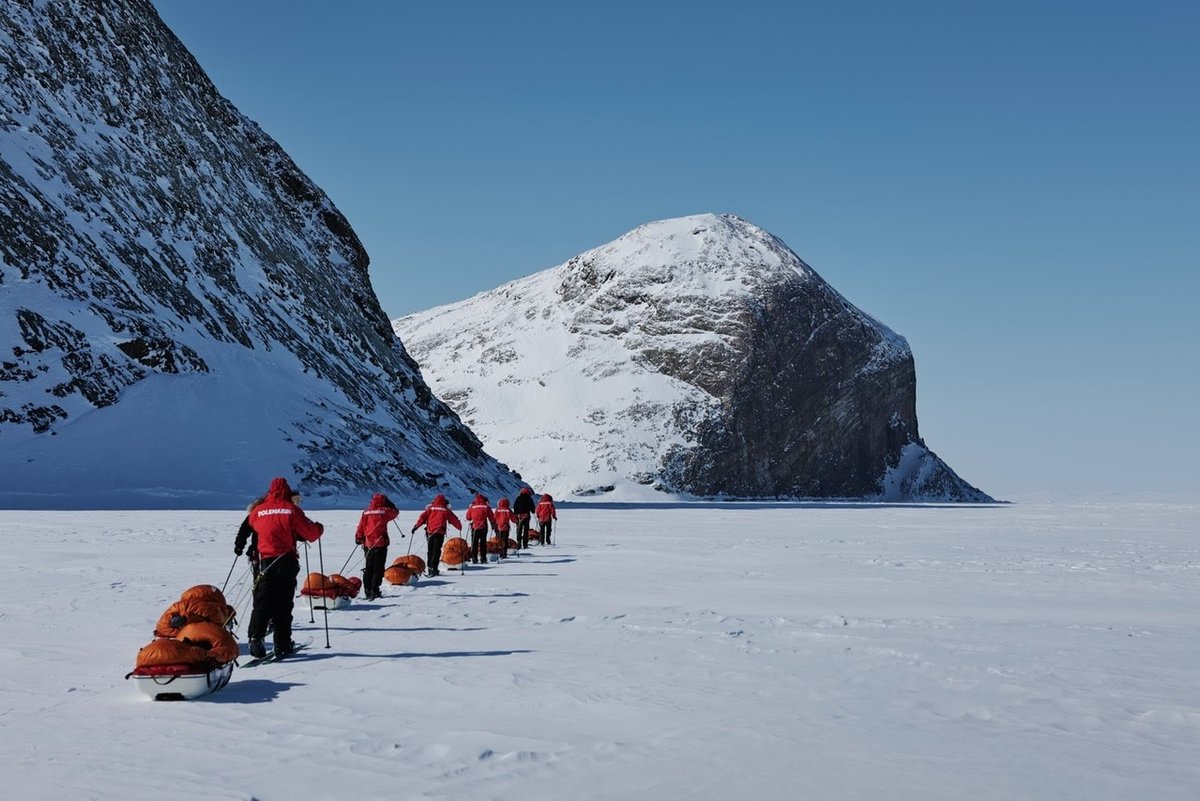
pixel 182 312
pixel 698 357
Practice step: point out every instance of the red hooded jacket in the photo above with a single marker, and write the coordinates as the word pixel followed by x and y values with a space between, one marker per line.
pixel 545 509
pixel 280 524
pixel 504 515
pixel 436 516
pixel 479 514
pixel 373 525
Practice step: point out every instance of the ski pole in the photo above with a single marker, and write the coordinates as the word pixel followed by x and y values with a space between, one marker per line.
pixel 311 619
pixel 348 558
pixel 236 556
pixel 325 606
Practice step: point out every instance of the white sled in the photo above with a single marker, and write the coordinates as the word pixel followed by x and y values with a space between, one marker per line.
pixel 330 604
pixel 182 686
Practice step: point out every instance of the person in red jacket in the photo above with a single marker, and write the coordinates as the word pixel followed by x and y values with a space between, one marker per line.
pixel 522 510
pixel 504 517
pixel 546 513
pixel 372 535
pixel 480 518
pixel 434 518
pixel 279 524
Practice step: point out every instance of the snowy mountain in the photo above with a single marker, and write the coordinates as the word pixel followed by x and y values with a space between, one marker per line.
pixel 183 314
pixel 697 356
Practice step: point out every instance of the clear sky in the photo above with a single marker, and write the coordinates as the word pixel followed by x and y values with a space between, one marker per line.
pixel 1014 187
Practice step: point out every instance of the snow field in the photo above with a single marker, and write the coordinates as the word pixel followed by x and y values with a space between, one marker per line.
pixel 701 651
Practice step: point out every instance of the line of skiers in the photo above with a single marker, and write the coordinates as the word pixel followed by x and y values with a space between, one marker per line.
pixel 275 523
pixel 438 515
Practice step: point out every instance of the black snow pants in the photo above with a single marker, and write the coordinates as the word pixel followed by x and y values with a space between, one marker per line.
pixel 479 545
pixel 434 541
pixel 522 531
pixel 273 594
pixel 503 536
pixel 546 526
pixel 373 570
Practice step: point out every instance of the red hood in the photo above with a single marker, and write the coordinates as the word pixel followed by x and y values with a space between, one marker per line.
pixel 440 500
pixel 502 503
pixel 379 501
pixel 280 491
pixel 526 491
pixel 480 498
pixel 547 497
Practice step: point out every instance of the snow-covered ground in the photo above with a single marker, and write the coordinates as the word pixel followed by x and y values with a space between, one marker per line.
pixel 698 652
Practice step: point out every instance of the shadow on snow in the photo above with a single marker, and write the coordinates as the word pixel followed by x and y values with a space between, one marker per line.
pixel 412 655
pixel 320 629
pixel 250 691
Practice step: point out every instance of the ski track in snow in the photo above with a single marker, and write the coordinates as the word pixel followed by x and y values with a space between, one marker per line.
pixel 853 653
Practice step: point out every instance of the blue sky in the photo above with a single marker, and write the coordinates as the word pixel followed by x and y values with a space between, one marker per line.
pixel 1014 187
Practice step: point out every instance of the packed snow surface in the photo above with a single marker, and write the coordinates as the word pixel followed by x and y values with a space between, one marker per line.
pixel 698 651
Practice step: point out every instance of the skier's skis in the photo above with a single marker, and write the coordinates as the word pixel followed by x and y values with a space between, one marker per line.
pixel 271 657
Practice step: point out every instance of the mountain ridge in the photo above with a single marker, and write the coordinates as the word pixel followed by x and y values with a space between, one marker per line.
pixel 158 239
pixel 692 357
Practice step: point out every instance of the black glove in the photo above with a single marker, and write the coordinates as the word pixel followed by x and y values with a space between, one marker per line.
pixel 237 551
pixel 366 550
pixel 413 530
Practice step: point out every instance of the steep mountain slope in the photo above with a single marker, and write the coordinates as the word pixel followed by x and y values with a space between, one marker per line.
pixel 697 356
pixel 183 314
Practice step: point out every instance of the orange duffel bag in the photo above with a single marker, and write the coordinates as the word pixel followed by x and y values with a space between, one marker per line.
pixel 398 574
pixel 219 643
pixel 168 653
pixel 413 562
pixel 203 592
pixel 455 551
pixel 180 613
pixel 319 585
